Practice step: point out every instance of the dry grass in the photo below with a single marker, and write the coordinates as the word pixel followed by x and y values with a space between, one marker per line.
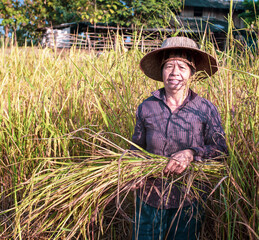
pixel 45 96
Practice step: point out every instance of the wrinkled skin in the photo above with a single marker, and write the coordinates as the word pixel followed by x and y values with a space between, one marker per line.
pixel 179 161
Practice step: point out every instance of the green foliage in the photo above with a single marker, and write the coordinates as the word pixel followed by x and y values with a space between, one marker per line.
pixel 251 14
pixel 104 11
pixel 13 15
pixel 153 13
pixel 149 13
pixel 24 18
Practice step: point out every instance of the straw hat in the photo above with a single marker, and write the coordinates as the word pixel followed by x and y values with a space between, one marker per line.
pixel 152 62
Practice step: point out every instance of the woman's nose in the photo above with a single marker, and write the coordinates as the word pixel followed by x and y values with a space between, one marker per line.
pixel 175 70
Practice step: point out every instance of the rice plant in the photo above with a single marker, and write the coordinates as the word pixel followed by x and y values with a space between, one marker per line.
pixel 65 196
pixel 49 99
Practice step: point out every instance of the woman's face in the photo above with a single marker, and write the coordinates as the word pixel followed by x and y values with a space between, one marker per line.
pixel 175 75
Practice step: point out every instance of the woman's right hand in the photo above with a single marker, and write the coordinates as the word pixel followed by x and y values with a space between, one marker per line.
pixel 179 161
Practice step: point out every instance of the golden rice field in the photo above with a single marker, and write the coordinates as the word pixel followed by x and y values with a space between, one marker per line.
pixel 67 114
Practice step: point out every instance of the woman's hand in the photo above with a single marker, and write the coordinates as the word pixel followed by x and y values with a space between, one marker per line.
pixel 179 161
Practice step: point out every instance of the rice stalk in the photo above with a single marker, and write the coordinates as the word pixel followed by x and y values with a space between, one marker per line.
pixel 75 195
pixel 44 96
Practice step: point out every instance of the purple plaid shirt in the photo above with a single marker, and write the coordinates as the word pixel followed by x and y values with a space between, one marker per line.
pixel 195 125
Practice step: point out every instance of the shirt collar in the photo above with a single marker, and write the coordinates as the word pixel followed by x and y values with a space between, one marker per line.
pixel 160 94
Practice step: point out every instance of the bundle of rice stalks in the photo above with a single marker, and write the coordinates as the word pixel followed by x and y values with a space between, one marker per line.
pixel 67 197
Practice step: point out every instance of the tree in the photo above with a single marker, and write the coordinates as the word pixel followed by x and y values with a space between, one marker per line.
pixel 146 13
pixel 13 16
pixel 23 18
pixel 153 13
pixel 251 14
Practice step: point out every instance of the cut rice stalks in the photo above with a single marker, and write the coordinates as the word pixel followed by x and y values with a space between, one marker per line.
pixel 66 197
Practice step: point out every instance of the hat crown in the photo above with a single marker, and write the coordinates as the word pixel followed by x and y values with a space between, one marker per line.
pixel 181 42
pixel 205 64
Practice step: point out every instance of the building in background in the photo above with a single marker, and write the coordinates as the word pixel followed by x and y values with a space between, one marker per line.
pixel 208 17
pixel 101 37
pixel 198 18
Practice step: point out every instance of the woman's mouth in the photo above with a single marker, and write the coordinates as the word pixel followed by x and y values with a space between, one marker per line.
pixel 174 80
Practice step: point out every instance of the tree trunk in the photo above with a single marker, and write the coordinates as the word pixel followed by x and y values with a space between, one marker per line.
pixel 15 37
pixel 6 33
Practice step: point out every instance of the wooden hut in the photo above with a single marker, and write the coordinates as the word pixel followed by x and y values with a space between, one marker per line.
pixel 101 37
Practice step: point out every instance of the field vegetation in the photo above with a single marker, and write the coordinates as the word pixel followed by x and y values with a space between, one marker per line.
pixel 61 108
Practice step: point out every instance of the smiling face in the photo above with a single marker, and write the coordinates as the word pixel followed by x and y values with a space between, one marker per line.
pixel 175 75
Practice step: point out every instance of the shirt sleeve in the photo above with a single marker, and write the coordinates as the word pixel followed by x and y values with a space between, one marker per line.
pixel 214 138
pixel 139 136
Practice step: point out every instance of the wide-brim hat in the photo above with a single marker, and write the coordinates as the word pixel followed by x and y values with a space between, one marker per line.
pixel 204 63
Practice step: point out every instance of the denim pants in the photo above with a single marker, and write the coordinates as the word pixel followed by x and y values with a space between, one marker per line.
pixel 159 224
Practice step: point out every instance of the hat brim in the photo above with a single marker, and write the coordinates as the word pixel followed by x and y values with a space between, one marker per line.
pixel 205 63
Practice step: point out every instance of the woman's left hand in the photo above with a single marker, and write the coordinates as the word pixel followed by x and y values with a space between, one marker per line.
pixel 179 161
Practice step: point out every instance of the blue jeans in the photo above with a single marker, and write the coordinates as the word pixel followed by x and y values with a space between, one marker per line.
pixel 157 224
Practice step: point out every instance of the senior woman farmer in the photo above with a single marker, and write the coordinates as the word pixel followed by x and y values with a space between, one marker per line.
pixel 177 123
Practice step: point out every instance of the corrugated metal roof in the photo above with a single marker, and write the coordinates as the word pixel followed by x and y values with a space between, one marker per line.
pixel 80 25
pixel 190 24
pixel 212 4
